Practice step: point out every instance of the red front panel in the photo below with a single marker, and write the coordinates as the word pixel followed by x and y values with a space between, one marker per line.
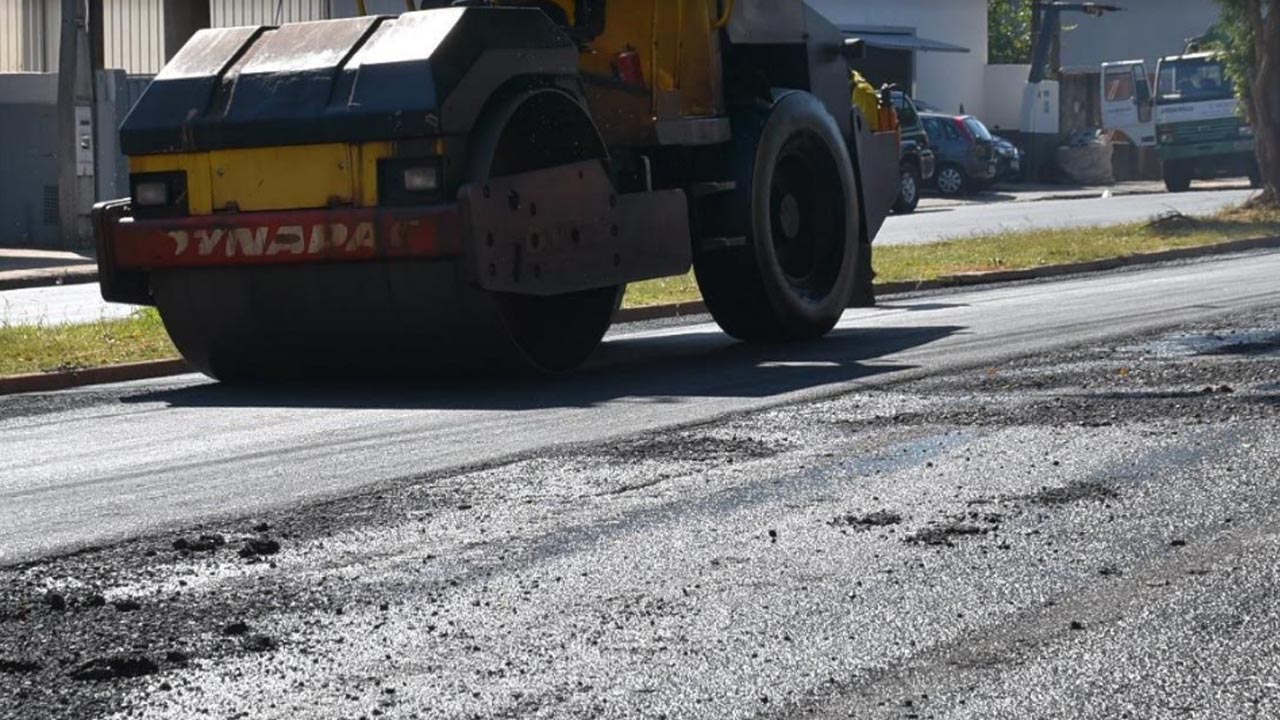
pixel 282 238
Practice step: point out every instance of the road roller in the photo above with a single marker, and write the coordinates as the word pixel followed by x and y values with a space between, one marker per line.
pixel 472 186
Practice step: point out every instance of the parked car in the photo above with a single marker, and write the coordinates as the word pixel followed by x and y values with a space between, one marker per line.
pixel 917 158
pixel 1008 160
pixel 964 150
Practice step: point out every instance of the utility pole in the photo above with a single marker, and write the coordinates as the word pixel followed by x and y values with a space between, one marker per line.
pixel 97 37
pixel 182 19
pixel 75 128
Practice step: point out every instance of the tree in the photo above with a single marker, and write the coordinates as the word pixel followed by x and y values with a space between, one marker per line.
pixel 1249 37
pixel 1009 32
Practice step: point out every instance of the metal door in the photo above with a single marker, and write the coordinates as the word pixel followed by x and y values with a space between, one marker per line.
pixel 1126 101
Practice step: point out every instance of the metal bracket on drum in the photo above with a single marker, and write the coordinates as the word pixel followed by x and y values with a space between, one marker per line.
pixel 565 230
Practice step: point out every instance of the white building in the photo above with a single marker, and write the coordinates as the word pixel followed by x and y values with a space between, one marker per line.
pixel 941 44
pixel 134 39
pixel 133 29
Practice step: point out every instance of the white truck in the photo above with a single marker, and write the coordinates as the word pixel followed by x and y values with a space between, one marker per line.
pixel 1193 117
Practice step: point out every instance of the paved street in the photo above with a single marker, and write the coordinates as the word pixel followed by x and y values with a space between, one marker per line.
pixel 936 220
pixel 57 305
pixel 1008 502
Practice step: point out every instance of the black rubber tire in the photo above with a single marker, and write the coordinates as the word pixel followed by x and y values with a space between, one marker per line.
pixel 1176 178
pixel 1255 176
pixel 407 319
pixel 908 191
pixel 961 186
pixel 796 205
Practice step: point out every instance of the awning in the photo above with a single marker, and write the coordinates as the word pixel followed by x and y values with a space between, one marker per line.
pixel 903 41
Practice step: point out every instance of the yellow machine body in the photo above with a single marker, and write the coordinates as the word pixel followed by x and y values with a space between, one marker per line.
pixel 275 178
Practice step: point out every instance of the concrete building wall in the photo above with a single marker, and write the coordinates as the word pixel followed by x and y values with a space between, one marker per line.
pixel 1147 30
pixel 232 13
pixel 947 80
pixel 133 29
pixel 1003 96
pixel 11 36
pixel 132 35
pixel 28 141
pixel 23 27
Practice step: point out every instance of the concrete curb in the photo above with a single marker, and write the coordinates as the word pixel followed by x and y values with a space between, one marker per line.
pixel 49 277
pixel 48 382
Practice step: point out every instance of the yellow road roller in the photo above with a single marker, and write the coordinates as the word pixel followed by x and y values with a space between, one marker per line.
pixel 471 187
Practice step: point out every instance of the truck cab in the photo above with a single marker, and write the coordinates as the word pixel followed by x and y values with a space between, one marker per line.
pixel 1200 126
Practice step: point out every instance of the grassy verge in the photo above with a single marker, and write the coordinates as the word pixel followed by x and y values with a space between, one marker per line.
pixel 1021 250
pixel 59 348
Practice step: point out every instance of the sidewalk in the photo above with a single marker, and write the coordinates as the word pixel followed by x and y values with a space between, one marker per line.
pixel 1032 192
pixel 25 268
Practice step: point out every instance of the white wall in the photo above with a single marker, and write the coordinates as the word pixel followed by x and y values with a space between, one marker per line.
pixel 22 32
pixel 947 80
pixel 11 36
pixel 232 13
pixel 1003 105
pixel 133 29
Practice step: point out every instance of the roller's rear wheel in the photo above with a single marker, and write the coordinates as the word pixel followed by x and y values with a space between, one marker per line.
pixel 395 318
pixel 787 269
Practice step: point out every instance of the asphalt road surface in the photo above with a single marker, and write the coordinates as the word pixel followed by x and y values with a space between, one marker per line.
pixel 1036 501
pixel 83 303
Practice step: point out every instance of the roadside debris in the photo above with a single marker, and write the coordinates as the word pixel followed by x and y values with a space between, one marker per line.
pixel 877 519
pixel 259 547
pixel 205 543
pixel 968 525
pixel 120 666
pixel 18 667
pixel 1072 493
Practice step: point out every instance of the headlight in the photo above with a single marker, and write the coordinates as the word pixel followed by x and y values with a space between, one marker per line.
pixel 421 179
pixel 159 194
pixel 410 180
pixel 153 193
pixel 1246 130
pixel 1166 138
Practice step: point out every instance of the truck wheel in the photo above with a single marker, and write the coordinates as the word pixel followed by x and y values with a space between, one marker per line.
pixel 778 260
pixel 1176 178
pixel 908 192
pixel 952 180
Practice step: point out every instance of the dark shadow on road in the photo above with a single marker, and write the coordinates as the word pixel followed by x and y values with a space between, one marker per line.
pixel 659 368
pixel 978 198
pixel 922 306
pixel 929 211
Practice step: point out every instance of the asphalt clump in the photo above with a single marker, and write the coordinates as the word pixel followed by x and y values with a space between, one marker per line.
pixel 18 667
pixel 207 542
pixel 877 519
pixel 116 667
pixel 259 547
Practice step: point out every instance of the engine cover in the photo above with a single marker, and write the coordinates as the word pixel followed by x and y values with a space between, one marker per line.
pixel 371 78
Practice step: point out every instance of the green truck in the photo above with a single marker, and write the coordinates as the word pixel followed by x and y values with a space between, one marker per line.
pixel 1201 129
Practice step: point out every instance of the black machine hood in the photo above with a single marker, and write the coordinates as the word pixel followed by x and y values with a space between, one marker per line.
pixel 355 80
